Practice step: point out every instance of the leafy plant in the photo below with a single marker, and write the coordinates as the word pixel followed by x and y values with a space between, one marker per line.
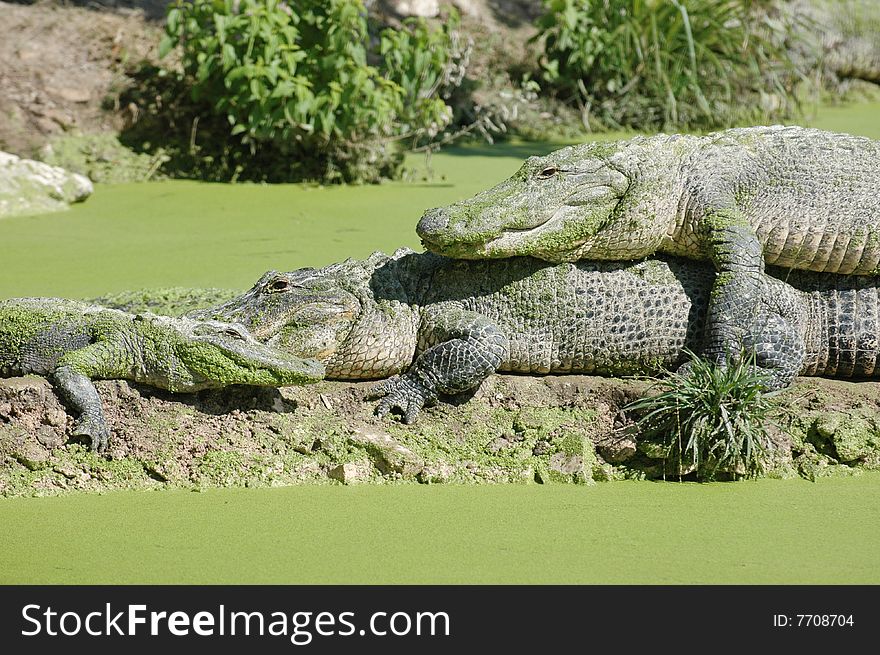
pixel 295 90
pixel 711 419
pixel 670 63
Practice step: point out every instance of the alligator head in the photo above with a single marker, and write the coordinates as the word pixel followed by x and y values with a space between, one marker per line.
pixel 218 354
pixel 309 311
pixel 330 314
pixel 552 208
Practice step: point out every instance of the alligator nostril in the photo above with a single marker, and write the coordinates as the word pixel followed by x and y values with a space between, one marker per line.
pixel 432 222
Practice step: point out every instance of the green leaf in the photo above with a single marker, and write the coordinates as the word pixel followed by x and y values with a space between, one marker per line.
pixel 229 57
pixel 172 21
pixel 166 45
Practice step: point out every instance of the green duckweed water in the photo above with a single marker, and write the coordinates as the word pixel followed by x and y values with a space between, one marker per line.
pixel 768 531
pixel 193 234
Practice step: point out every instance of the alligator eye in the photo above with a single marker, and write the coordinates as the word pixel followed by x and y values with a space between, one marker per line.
pixel 277 285
pixel 548 172
pixel 230 332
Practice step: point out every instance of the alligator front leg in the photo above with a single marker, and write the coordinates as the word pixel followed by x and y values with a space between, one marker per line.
pixel 468 348
pixel 734 305
pixel 746 318
pixel 73 378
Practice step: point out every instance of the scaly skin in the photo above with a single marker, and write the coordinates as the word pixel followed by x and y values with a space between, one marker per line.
pixel 789 196
pixel 437 325
pixel 74 343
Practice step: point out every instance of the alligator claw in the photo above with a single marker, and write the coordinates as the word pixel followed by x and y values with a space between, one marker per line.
pixel 95 429
pixel 686 369
pixel 404 393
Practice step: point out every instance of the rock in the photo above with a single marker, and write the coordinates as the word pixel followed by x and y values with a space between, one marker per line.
pixel 527 421
pixel 67 471
pixel 72 94
pixel 855 440
pixel 434 473
pixel 389 455
pixel 469 7
pixel 32 456
pixel 617 448
pixel 854 437
pixel 827 425
pixel 573 460
pixel 55 417
pixel 56 117
pixel 32 187
pixel 50 438
pixel 542 447
pixel 350 472
pixel 28 54
pixel 420 8
pixel 653 449
pixel 503 442
pixel 566 464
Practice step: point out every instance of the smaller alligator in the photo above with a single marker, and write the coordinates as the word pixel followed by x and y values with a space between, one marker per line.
pixel 73 343
pixel 448 324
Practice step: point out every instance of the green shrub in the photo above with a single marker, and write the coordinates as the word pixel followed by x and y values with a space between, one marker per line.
pixel 652 64
pixel 711 420
pixel 282 91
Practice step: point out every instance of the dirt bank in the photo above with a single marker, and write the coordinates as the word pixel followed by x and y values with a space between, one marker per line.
pixel 515 429
pixel 62 69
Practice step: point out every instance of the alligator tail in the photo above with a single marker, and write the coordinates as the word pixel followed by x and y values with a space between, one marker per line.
pixel 844 325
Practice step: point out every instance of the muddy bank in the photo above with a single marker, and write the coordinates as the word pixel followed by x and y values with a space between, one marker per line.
pixel 555 429
pixel 63 68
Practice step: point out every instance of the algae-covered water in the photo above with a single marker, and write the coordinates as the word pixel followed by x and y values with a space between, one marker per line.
pixel 194 234
pixel 770 531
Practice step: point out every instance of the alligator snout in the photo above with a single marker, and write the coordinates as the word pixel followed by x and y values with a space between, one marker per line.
pixel 433 223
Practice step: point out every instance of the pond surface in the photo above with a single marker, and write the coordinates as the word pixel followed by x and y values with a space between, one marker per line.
pixel 194 234
pixel 769 531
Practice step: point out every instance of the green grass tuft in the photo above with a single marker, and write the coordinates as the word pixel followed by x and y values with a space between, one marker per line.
pixel 711 420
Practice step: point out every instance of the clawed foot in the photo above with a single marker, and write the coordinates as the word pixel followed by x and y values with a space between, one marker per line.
pixel 686 370
pixel 402 392
pixel 94 428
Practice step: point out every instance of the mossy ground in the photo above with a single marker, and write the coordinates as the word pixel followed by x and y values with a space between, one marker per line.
pixel 201 235
pixel 517 430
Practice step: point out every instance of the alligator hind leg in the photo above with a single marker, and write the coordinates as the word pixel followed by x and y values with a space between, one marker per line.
pixel 81 395
pixel 73 378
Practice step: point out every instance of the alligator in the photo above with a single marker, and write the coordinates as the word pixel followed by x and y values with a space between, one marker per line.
pixel 794 197
pixel 434 325
pixel 73 343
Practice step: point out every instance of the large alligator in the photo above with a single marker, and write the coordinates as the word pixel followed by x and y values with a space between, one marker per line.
pixel 448 324
pixel 73 343
pixel 789 196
